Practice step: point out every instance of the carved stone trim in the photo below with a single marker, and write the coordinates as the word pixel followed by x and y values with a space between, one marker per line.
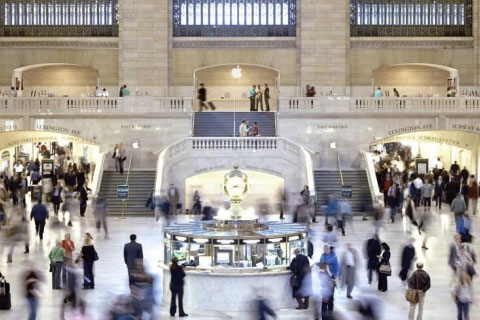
pixel 243 43
pixel 412 43
pixel 60 44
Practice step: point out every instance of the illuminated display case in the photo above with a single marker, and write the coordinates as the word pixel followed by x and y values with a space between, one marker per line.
pixel 269 247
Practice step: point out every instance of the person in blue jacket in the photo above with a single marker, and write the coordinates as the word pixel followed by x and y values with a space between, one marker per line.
pixel 330 257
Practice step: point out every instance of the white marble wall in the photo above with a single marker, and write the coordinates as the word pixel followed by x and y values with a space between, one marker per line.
pixel 232 292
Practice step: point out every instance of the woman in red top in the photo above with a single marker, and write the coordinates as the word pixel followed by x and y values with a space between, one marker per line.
pixel 256 132
pixel 473 195
pixel 69 247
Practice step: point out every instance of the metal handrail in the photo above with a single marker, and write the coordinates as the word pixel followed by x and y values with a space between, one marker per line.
pixel 340 169
pixel 129 167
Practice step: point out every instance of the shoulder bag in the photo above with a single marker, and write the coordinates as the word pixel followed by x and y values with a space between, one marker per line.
pixel 411 295
pixel 385 269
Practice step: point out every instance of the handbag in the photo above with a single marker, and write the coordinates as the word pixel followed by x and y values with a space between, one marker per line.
pixel 385 269
pixel 294 281
pixel 51 267
pixel 95 256
pixel 411 295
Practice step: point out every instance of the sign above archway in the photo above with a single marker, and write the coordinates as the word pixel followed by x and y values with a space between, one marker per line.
pixel 11 139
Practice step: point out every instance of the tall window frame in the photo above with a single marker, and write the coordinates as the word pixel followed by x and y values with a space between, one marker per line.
pixel 411 18
pixel 235 18
pixel 59 18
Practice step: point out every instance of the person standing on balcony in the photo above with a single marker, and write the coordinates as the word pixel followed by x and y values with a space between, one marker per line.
pixel 97 92
pixel 202 97
pixel 395 92
pixel 253 94
pixel 266 96
pixel 378 93
pixel 259 97
pixel 105 93
pixel 256 131
pixel 125 91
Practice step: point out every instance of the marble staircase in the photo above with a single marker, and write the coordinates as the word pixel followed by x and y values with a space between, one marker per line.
pixel 140 184
pixel 329 182
pixel 223 124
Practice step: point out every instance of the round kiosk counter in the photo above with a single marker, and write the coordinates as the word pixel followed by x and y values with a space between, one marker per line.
pixel 231 291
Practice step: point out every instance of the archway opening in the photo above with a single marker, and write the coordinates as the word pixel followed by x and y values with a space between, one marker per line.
pixel 227 90
pixel 264 189
pixel 55 79
pixel 416 80
pixel 56 150
pixel 422 152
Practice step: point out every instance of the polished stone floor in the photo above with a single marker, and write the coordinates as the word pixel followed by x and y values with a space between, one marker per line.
pixel 111 275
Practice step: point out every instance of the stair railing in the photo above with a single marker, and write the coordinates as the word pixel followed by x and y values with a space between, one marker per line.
pixel 372 178
pixel 340 169
pixel 98 174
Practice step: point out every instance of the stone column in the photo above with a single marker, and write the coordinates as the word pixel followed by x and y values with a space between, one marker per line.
pixel 323 41
pixel 143 45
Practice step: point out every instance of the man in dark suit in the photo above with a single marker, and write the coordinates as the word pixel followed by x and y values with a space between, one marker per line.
pixel 372 252
pixel 132 252
pixel 300 266
pixel 266 96
pixel 408 255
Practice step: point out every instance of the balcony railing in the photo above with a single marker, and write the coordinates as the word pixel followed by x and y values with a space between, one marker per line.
pixel 343 104
pixel 132 104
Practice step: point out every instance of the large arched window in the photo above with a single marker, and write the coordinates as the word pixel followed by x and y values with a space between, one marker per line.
pixel 234 18
pixel 59 18
pixel 411 18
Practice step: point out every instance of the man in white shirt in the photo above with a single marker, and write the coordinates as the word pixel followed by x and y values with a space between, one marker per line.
pixel 349 261
pixel 439 164
pixel 243 129
pixel 98 92
pixel 418 183
pixel 105 93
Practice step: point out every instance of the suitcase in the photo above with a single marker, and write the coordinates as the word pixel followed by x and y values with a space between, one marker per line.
pixel 5 298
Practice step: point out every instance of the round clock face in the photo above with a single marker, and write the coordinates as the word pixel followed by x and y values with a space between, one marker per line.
pixel 235 186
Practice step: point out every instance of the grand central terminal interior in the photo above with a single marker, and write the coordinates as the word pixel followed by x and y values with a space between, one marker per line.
pixel 239 159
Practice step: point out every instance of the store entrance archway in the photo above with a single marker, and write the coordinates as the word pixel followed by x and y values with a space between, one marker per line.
pixel 227 90
pixel 416 79
pixel 55 79
pixel 27 146
pixel 407 149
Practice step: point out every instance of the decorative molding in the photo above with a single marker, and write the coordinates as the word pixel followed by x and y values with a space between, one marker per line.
pixel 412 43
pixel 246 43
pixel 60 44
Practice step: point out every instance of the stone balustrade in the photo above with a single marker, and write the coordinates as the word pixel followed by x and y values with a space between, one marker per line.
pixel 343 104
pixel 65 105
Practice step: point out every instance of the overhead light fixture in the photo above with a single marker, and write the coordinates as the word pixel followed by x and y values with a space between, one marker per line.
pixel 237 72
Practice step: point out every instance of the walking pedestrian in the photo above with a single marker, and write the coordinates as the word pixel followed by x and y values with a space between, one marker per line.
pixel 69 246
pixel 408 256
pixel 300 267
pixel 33 278
pixel 132 252
pixel 39 213
pixel 100 213
pixel 372 252
pixel 89 256
pixel 462 294
pixel 439 189
pixel 83 199
pixel 419 281
pixel 327 293
pixel 473 194
pixel 458 207
pixel 330 257
pixel 427 194
pixel 350 262
pixel 176 287
pixel 384 260
pixel 56 256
